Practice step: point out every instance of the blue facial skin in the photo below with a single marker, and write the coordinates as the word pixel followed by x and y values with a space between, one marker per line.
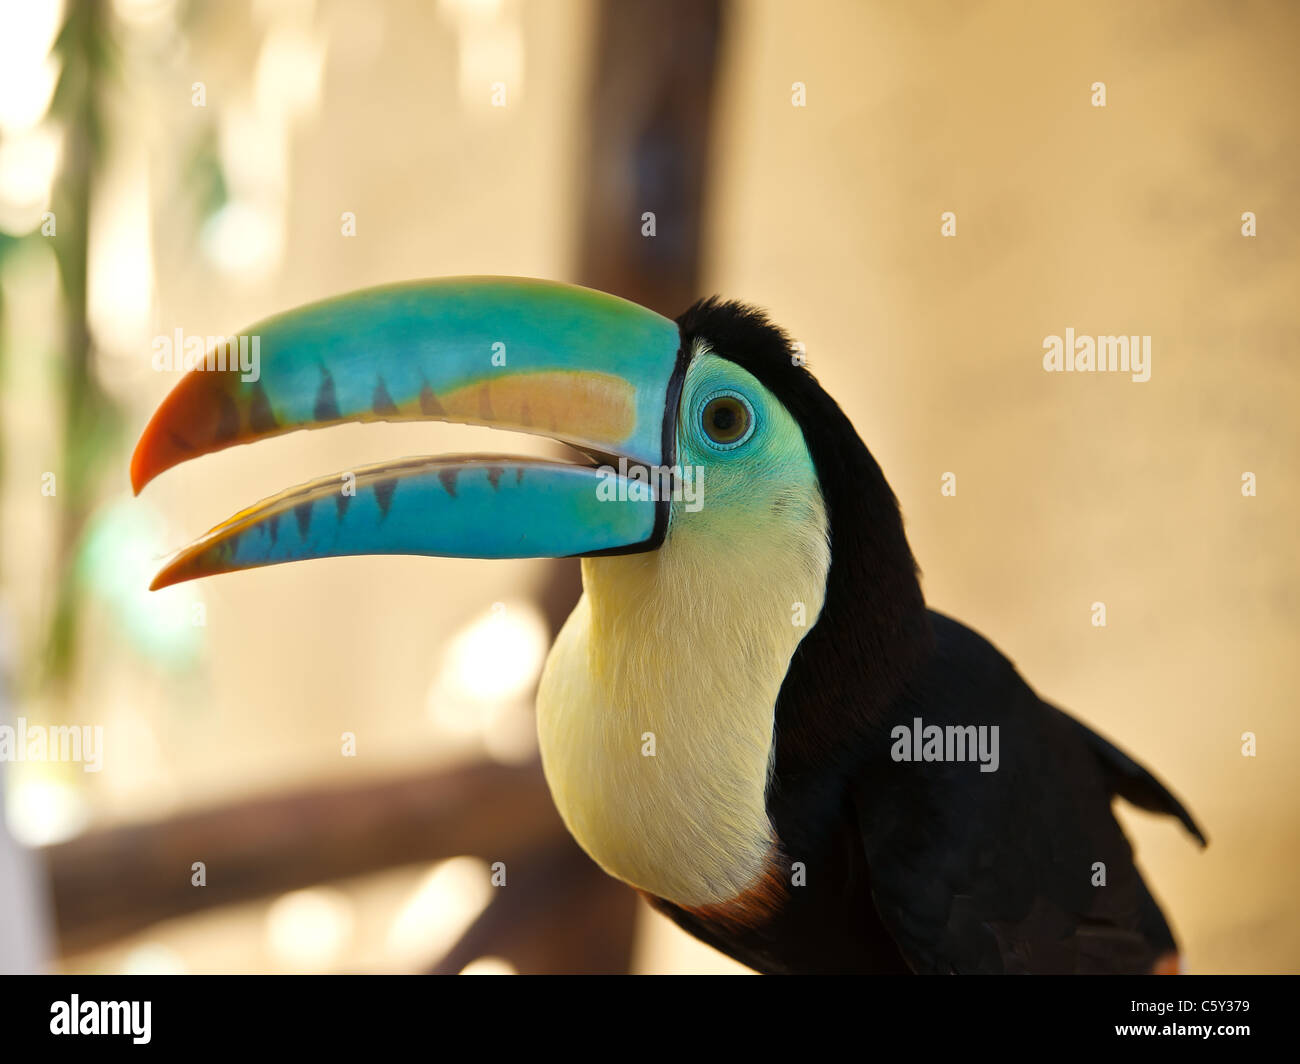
pixel 739 479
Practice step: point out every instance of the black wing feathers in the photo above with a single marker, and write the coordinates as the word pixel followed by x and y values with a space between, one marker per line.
pixel 1133 783
pixel 1002 871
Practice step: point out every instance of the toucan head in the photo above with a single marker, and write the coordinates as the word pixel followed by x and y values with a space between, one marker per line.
pixel 676 432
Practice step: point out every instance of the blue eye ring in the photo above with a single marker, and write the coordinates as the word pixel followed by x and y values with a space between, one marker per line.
pixel 727 419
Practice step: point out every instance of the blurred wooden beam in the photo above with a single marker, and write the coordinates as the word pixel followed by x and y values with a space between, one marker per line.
pixel 649 118
pixel 118 881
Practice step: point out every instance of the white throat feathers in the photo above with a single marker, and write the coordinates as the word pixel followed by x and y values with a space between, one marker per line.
pixel 657 703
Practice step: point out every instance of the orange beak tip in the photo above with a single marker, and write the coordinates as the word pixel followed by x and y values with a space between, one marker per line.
pixel 165 578
pixel 139 475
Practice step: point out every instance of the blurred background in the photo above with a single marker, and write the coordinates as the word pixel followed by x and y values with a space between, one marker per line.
pixel 200 165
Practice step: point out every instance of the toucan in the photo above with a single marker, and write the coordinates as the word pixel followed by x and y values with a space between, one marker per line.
pixel 751 715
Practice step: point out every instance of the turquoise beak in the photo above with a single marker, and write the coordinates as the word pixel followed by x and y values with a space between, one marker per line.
pixel 579 366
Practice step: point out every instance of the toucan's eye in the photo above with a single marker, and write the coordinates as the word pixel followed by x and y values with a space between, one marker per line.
pixel 727 420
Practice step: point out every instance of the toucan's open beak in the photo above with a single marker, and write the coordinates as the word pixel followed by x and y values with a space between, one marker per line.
pixel 586 368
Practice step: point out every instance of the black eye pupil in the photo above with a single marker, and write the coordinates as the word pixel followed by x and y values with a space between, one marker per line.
pixel 724 418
